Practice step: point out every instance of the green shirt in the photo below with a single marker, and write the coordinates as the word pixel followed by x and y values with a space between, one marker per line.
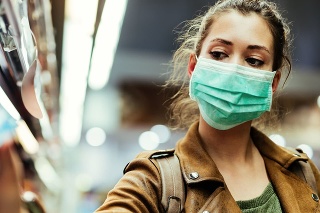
pixel 267 202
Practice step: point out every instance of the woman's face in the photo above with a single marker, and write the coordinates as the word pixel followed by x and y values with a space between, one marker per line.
pixel 241 39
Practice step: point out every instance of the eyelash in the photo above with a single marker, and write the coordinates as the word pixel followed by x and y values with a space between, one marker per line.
pixel 255 62
pixel 217 55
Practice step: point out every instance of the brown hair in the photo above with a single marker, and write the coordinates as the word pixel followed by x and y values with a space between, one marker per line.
pixel 184 111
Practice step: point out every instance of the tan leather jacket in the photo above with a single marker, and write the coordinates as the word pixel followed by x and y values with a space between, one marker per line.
pixel 139 190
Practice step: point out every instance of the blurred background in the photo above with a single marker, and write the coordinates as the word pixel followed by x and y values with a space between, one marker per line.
pixel 81 94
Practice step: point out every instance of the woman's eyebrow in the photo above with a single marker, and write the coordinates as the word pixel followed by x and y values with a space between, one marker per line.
pixel 258 47
pixel 251 47
pixel 220 40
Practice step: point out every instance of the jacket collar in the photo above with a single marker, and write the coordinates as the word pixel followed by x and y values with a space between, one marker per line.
pixel 268 149
pixel 197 165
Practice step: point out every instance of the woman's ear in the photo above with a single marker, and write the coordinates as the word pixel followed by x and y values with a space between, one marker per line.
pixel 276 81
pixel 192 63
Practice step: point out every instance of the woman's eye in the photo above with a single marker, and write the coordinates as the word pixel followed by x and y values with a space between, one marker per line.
pixel 254 62
pixel 218 55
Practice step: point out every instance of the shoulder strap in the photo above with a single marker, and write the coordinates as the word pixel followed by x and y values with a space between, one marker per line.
pixel 173 193
pixel 304 171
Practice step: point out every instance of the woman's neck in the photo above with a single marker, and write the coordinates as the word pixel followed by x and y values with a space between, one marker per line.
pixel 228 146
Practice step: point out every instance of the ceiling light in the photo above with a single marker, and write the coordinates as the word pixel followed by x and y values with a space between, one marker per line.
pixel 106 43
pixel 78 30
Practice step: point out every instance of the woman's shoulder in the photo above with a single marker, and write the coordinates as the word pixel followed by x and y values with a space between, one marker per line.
pixel 153 154
pixel 139 189
pixel 148 158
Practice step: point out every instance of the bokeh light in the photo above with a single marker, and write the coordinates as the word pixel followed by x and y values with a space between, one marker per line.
pixel 95 136
pixel 149 140
pixel 306 149
pixel 278 139
pixel 163 132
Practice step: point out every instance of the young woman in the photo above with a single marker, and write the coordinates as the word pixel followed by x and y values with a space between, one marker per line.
pixel 231 60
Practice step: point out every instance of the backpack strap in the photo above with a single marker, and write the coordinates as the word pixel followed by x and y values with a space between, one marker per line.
pixel 304 170
pixel 173 193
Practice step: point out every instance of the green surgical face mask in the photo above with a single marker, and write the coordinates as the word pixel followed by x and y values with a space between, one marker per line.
pixel 230 94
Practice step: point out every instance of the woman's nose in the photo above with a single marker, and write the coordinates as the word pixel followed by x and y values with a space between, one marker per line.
pixel 235 59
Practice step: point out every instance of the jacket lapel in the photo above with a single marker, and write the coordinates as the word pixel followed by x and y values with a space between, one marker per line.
pixel 295 194
pixel 221 201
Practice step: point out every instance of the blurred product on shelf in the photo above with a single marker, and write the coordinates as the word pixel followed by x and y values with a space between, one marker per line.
pixel 28 105
pixel 11 175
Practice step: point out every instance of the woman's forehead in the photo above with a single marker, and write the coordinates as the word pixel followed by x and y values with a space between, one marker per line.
pixel 237 27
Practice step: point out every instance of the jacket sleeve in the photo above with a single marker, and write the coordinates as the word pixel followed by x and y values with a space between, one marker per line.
pixel 137 191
